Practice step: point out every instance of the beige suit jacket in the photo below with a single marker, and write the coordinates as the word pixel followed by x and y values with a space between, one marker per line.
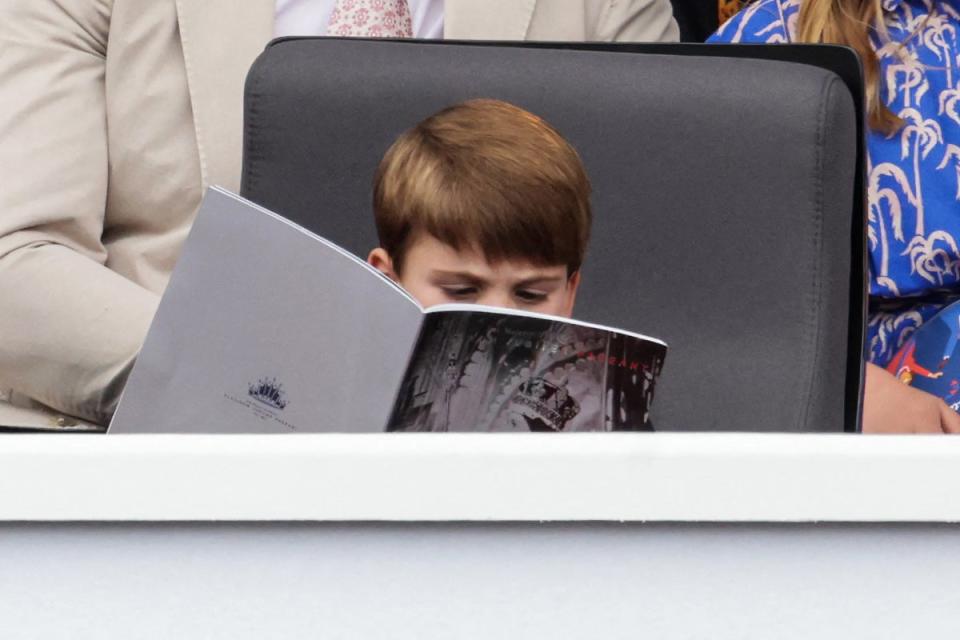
pixel 114 116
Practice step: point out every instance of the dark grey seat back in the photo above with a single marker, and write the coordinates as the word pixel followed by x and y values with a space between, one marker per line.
pixel 724 198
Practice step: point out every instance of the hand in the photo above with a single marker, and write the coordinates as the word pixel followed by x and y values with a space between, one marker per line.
pixel 889 406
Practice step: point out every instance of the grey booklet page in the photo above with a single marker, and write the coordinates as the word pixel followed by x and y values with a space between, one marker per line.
pixel 268 328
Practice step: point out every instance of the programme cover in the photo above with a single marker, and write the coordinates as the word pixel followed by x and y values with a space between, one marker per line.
pixel 487 371
pixel 929 359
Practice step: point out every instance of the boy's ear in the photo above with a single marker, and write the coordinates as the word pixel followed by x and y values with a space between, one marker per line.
pixel 380 260
pixel 573 283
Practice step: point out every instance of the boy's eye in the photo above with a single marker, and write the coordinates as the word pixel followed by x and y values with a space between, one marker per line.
pixel 460 291
pixel 528 295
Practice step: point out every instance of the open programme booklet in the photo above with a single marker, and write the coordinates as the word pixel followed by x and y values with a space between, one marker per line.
pixel 268 328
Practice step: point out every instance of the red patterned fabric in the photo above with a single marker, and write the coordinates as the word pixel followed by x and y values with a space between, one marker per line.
pixel 371 19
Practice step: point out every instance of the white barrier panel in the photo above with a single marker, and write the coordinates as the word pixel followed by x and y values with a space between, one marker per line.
pixel 482 477
pixel 432 536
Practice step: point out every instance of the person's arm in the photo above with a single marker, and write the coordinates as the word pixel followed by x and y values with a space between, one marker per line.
pixel 762 21
pixel 631 21
pixel 889 406
pixel 70 327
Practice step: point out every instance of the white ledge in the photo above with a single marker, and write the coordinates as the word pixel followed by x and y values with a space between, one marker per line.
pixel 481 477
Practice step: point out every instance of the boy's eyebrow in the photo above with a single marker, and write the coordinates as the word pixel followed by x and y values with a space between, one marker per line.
pixel 544 279
pixel 478 280
pixel 460 275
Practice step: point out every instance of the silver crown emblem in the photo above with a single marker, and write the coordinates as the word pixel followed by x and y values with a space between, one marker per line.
pixel 269 392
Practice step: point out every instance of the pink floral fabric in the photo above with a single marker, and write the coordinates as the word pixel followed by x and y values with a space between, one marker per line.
pixel 371 19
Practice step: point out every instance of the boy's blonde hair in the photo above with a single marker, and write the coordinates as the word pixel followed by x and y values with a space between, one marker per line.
pixel 487 175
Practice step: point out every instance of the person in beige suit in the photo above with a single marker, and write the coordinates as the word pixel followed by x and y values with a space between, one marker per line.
pixel 114 116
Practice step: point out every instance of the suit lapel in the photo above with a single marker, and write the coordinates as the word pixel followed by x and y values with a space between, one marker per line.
pixel 220 40
pixel 487 19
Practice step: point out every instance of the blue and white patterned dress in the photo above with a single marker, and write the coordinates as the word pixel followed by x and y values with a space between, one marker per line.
pixel 914 174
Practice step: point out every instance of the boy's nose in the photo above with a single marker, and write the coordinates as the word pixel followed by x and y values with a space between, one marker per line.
pixel 498 299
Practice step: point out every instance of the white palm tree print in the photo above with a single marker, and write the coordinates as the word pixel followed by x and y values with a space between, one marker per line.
pixel 914 85
pixel 949 99
pixel 900 326
pixel 926 134
pixel 935 35
pixel 952 153
pixel 933 257
pixel 879 193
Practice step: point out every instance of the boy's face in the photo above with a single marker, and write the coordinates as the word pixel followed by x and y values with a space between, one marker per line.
pixel 436 273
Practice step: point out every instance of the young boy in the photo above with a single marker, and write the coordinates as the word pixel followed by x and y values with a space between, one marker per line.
pixel 483 203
